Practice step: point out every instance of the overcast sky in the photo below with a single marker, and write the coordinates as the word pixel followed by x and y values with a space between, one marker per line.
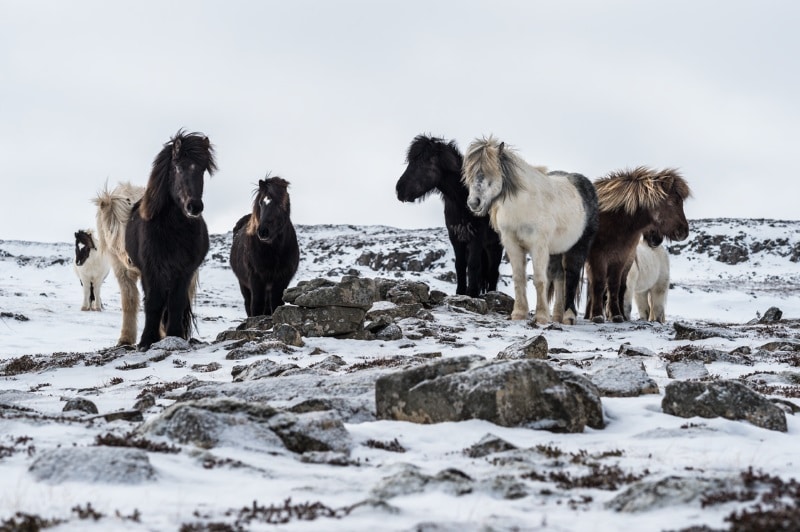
pixel 328 94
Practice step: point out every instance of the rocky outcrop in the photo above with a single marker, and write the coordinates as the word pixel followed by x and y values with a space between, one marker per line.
pixel 622 377
pixel 727 399
pixel 107 465
pixel 509 393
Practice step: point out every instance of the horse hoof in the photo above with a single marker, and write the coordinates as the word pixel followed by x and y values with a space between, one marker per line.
pixel 618 319
pixel 598 319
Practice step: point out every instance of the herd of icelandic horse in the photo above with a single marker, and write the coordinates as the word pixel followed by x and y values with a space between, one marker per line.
pixel 494 200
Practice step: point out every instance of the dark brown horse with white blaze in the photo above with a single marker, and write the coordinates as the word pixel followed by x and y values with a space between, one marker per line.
pixel 166 237
pixel 632 203
pixel 264 251
pixel 434 165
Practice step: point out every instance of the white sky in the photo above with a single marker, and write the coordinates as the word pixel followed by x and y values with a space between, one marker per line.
pixel 328 94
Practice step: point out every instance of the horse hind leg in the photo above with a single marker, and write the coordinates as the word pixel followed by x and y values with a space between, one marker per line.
pixel 129 298
pixel 516 256
pixel 555 291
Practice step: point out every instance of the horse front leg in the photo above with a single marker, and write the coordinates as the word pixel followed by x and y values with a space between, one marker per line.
pixel 258 299
pixel 616 287
pixel 597 288
pixel 179 310
pixel 474 268
pixel 555 292
pixel 540 260
pixel 155 298
pixel 460 250
pixel 87 295
pixel 516 256
pixel 129 298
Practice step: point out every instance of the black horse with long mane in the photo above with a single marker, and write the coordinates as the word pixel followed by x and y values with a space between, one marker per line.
pixel 264 252
pixel 166 237
pixel 434 165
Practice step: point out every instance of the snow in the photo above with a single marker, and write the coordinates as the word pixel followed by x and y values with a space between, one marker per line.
pixel 38 283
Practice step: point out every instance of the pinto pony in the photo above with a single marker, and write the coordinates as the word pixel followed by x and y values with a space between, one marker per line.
pixel 91 267
pixel 648 282
pixel 264 251
pixel 553 217
pixel 435 166
pixel 631 202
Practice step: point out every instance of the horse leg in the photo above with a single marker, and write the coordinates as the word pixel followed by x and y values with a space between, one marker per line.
pixel 555 293
pixel 129 298
pixel 573 264
pixel 540 260
pixel 616 287
pixel 597 288
pixel 155 299
pixel 516 256
pixel 258 300
pixel 87 295
pixel 493 256
pixel 630 291
pixel 246 294
pixel 658 299
pixel 474 268
pixel 460 250
pixel 177 305
pixel 643 304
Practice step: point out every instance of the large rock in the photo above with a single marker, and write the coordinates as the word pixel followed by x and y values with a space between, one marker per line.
pixel 351 292
pixel 535 347
pixel 507 393
pixel 622 377
pixel 111 465
pixel 728 399
pixel 321 321
pixel 649 495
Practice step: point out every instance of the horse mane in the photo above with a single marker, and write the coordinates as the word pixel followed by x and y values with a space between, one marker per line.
pixel 489 157
pixel 275 187
pixel 85 236
pixel 113 212
pixel 424 147
pixel 193 146
pixel 641 188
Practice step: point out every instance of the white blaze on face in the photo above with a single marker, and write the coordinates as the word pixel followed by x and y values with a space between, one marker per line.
pixel 81 245
pixel 266 201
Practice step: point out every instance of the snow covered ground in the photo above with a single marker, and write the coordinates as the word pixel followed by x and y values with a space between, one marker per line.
pixel 40 303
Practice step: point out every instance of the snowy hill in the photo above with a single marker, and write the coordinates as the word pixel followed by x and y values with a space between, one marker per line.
pixel 395 475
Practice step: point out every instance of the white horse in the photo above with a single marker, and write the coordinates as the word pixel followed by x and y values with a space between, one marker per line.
pixel 553 217
pixel 91 267
pixel 648 282
pixel 113 211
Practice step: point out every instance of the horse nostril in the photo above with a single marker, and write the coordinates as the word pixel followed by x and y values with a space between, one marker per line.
pixel 194 207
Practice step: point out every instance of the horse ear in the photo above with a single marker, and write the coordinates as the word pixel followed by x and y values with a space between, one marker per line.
pixel 76 235
pixel 176 148
pixel 501 148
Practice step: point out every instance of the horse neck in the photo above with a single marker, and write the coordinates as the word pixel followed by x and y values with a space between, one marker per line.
pixel 451 186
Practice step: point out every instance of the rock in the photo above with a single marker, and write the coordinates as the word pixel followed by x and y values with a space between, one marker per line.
pixel 782 345
pixel 708 355
pixel 508 393
pixel 252 349
pixel 321 321
pixel 686 370
pixel 535 348
pixel 622 377
pixel 259 323
pixel 329 363
pixel 478 306
pixel 109 465
pixel 80 404
pixel 684 331
pixel 627 350
pixel 499 302
pixel 288 335
pixel 172 343
pixel 772 315
pixel 390 332
pixel 208 423
pixel 312 432
pixel 410 480
pixel 145 402
pixel 732 253
pixel 649 495
pixel 262 369
pixel 384 312
pixel 124 415
pixel 728 399
pixel 247 335
pixel 351 292
pixel 407 292
pixel 487 445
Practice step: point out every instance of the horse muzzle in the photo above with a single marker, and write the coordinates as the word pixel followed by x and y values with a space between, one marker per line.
pixel 194 208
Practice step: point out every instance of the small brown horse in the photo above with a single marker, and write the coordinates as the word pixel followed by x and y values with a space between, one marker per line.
pixel 631 202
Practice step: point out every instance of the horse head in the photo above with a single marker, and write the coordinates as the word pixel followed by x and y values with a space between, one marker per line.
pixel 490 173
pixel 271 209
pixel 192 156
pixel 669 219
pixel 427 160
pixel 84 244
